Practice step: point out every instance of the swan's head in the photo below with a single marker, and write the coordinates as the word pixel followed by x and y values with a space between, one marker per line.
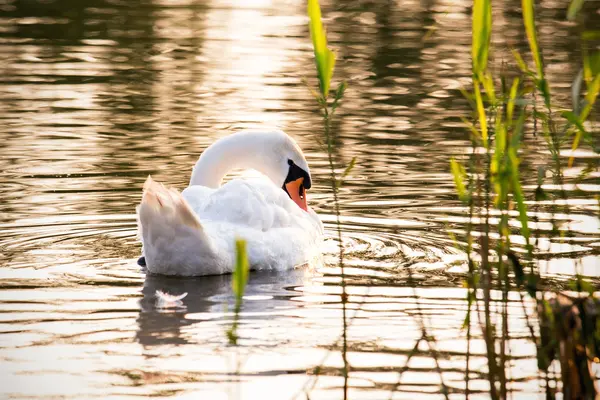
pixel 288 168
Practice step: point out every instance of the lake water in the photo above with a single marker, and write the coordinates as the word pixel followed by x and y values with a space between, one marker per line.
pixel 96 95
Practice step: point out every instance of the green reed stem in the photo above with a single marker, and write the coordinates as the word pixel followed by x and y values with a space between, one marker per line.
pixel 336 203
pixel 325 62
pixel 239 280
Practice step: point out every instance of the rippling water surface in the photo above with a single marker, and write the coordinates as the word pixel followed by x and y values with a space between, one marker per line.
pixel 96 95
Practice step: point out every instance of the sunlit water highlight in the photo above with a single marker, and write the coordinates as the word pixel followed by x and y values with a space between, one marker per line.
pixel 96 95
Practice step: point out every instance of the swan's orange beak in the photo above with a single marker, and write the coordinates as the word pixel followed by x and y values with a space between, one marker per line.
pixel 297 192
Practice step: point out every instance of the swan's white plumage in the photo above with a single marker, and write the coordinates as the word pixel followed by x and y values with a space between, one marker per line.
pixel 193 233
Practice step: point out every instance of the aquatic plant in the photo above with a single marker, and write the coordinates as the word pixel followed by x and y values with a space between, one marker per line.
pixel 325 63
pixel 324 57
pixel 239 279
pixel 490 182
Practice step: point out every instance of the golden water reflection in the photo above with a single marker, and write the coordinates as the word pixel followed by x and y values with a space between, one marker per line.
pixel 95 95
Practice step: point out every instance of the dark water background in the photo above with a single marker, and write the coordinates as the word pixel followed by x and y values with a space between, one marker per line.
pixel 96 95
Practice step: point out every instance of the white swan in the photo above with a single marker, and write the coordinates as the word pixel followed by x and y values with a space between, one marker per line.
pixel 193 233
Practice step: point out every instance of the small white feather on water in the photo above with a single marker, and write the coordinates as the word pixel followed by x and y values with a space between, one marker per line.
pixel 166 300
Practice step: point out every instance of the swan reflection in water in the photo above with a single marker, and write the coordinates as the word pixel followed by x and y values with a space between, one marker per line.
pixel 207 300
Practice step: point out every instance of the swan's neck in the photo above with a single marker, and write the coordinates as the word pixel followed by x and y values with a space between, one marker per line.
pixel 244 150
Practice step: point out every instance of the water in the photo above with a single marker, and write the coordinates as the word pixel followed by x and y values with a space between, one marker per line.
pixel 96 95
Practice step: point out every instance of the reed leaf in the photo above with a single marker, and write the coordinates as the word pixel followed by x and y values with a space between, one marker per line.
pixel 589 101
pixel 517 268
pixel 590 98
pixel 471 127
pixel 239 279
pixel 574 9
pixel 460 175
pixel 591 75
pixel 339 94
pixel 528 19
pixel 500 137
pixel 590 35
pixel 591 65
pixel 511 101
pixel 519 198
pixel 580 132
pixel 574 119
pixel 468 96
pixel 517 134
pixel 497 163
pixel 515 180
pixel 349 168
pixel 578 284
pixel 544 88
pixel 488 85
pixel 521 63
pixel 481 115
pixel 324 57
pixel 481 35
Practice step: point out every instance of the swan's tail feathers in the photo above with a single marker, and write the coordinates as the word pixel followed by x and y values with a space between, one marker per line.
pixel 173 238
pixel 169 203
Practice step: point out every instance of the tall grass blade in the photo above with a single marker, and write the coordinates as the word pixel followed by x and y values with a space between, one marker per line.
pixel 515 181
pixel 488 85
pixel 590 98
pixel 349 168
pixel 528 19
pixel 481 35
pixel 591 74
pixel 589 101
pixel 481 114
pixel 324 58
pixel 574 9
pixel 574 119
pixel 590 35
pixel 522 65
pixel 474 132
pixel 544 88
pixel 339 94
pixel 497 163
pixel 511 101
pixel 591 64
pixel 519 198
pixel 459 174
pixel 239 278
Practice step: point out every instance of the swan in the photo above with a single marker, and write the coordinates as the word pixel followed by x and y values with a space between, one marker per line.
pixel 193 233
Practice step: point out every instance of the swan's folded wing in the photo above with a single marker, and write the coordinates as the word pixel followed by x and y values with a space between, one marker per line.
pixel 254 203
